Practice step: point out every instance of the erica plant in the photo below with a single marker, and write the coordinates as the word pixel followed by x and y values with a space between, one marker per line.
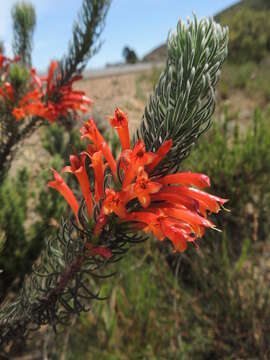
pixel 26 99
pixel 140 192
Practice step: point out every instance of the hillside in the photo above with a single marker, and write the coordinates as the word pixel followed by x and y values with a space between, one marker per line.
pixel 257 5
pixel 249 24
pixel 156 55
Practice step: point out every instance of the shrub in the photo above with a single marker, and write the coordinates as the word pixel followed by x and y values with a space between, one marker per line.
pixel 224 291
pixel 20 248
pixel 240 164
pixel 249 33
pixel 23 242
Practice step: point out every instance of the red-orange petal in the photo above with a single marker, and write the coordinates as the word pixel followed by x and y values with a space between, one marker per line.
pixel 212 202
pixel 91 132
pixel 188 216
pixel 177 236
pixel 52 68
pixel 138 158
pixel 78 169
pixel 120 123
pixel 98 167
pixel 144 200
pixel 161 153
pixel 113 203
pixel 60 185
pixel 141 216
pixel 186 178
pixel 173 198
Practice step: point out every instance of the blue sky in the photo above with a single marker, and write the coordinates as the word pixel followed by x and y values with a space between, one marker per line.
pixel 140 24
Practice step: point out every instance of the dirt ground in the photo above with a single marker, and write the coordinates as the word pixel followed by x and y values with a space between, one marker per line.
pixel 125 91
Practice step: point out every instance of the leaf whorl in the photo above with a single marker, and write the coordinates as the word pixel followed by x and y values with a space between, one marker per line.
pixel 183 101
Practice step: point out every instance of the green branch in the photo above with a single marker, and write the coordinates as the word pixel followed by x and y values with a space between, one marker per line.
pixel 184 99
pixel 86 38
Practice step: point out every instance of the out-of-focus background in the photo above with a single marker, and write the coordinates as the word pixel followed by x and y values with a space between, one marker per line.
pixel 208 303
pixel 140 24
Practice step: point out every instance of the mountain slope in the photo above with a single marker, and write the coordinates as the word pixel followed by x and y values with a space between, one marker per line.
pixel 257 5
pixel 249 24
pixel 156 55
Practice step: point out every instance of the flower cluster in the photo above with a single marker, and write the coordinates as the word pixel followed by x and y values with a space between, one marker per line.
pixel 44 97
pixel 172 206
pixel 6 90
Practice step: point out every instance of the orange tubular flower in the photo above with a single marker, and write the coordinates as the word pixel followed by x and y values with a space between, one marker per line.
pixel 186 178
pixel 50 85
pixel 78 169
pixel 67 99
pixel 2 60
pixel 162 226
pixel 142 189
pixel 98 167
pixel 18 113
pixel 113 203
pixel 30 98
pixel 138 157
pixel 161 153
pixel 91 132
pixel 174 198
pixel 154 228
pixel 150 220
pixel 91 149
pixel 36 79
pixel 120 123
pixel 30 104
pixel 188 216
pixel 74 101
pixel 178 237
pixel 207 201
pixel 60 185
pixel 178 225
